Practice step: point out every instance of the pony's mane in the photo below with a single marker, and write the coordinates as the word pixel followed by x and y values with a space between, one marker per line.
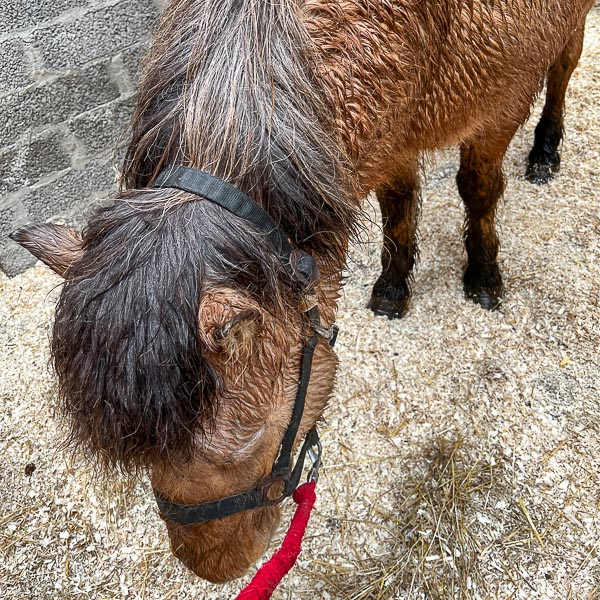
pixel 229 87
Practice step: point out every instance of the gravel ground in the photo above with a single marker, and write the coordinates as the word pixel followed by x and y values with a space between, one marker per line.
pixel 462 450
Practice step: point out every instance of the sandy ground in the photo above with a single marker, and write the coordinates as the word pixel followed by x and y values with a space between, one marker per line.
pixel 462 450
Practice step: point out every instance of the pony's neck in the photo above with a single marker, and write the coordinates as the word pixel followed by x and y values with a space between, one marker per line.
pixel 231 87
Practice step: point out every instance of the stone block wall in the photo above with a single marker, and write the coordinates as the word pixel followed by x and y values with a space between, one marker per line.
pixel 68 70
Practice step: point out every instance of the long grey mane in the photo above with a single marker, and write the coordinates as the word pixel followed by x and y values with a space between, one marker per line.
pixel 231 87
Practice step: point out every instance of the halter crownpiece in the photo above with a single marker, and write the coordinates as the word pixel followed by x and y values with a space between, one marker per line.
pixel 302 268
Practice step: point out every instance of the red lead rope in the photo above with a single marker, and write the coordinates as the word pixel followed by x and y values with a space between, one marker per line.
pixel 269 576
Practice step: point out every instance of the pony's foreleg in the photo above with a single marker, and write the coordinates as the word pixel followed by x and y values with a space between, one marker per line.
pixel 399 201
pixel 481 183
pixel 544 158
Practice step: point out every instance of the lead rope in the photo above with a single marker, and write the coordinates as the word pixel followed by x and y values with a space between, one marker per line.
pixel 269 576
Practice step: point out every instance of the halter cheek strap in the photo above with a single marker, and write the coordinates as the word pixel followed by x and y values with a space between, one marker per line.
pixel 302 267
pixel 281 474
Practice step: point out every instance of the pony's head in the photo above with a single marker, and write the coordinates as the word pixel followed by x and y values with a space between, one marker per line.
pixel 177 345
pixel 179 332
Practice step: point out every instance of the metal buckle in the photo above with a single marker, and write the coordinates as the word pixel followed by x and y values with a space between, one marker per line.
pixel 328 334
pixel 311 310
pixel 315 457
pixel 268 482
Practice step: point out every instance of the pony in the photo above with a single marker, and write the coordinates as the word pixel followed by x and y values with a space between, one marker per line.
pixel 180 336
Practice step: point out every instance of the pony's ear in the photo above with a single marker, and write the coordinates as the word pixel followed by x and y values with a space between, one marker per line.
pixel 57 246
pixel 229 323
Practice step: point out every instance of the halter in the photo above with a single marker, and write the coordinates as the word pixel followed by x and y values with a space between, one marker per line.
pixel 302 268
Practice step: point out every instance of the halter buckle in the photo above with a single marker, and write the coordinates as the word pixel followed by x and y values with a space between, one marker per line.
pixel 310 307
pixel 269 482
pixel 314 453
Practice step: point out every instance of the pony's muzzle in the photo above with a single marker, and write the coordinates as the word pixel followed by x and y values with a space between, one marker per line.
pixel 224 549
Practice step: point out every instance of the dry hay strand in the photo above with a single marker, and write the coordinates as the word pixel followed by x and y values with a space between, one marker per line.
pixel 432 548
pixel 460 518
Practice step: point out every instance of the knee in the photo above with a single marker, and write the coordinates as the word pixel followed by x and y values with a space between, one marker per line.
pixel 481 187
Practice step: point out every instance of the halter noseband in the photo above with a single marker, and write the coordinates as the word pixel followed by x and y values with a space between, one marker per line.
pixel 302 267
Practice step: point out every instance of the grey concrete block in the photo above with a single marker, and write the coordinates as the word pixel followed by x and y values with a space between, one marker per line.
pixel 132 59
pixel 54 102
pixel 99 33
pixel 15 14
pixel 14 259
pixel 103 128
pixel 22 14
pixel 8 182
pixel 26 164
pixel 12 216
pixel 45 154
pixel 15 69
pixel 72 192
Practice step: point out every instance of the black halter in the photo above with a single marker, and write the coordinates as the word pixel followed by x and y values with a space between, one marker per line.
pixel 283 479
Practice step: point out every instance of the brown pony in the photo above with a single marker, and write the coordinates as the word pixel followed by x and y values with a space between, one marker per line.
pixel 178 334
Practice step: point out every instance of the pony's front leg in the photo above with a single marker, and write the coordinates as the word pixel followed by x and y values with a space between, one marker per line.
pixel 481 183
pixel 544 158
pixel 399 201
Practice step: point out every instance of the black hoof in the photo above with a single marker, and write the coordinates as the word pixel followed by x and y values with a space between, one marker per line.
pixel 544 163
pixel 541 173
pixel 389 300
pixel 384 307
pixel 483 285
pixel 490 300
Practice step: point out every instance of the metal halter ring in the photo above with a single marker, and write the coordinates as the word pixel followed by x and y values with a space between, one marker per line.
pixel 314 454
